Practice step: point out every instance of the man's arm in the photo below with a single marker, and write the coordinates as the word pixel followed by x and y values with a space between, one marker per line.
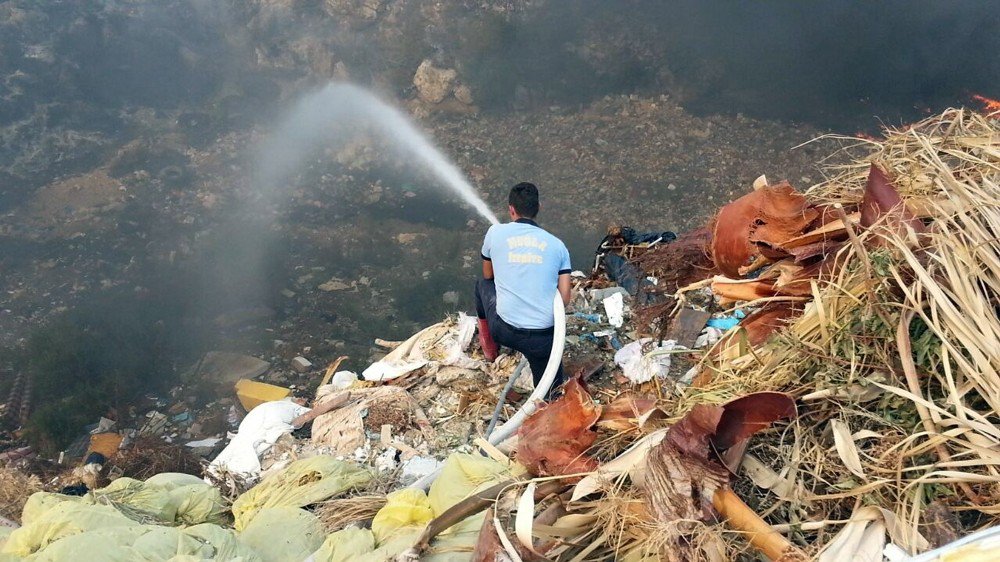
pixel 565 268
pixel 565 287
pixel 485 253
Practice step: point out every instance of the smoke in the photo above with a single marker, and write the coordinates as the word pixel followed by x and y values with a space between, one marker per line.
pixel 829 63
pixel 81 80
pixel 77 75
pixel 821 61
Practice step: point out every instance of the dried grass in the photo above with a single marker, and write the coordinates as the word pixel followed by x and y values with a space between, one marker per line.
pixel 338 513
pixel 895 360
pixel 15 489
pixel 149 456
pixel 916 322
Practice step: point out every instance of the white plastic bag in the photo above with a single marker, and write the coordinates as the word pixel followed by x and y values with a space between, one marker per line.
pixel 257 433
pixel 639 366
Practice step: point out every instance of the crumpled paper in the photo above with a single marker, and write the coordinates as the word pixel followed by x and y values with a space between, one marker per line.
pixel 614 307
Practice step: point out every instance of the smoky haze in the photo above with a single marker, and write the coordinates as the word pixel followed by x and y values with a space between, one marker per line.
pixel 821 62
pixel 131 130
pixel 82 66
pixel 82 80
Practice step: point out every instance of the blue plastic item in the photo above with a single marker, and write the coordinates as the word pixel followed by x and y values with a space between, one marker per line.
pixel 725 323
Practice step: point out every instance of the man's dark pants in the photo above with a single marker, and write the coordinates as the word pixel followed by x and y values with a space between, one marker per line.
pixel 535 345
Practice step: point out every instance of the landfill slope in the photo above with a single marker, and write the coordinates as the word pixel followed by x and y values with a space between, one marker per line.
pixel 792 391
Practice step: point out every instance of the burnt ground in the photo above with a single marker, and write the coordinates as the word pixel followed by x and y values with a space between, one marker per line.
pixel 162 227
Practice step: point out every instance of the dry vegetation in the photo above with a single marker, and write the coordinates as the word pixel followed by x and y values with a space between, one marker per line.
pixel 15 488
pixel 896 359
pixel 893 362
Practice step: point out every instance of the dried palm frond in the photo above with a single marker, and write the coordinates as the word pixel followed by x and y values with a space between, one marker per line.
pixel 899 347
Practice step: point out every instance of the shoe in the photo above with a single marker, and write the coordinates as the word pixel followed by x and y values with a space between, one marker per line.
pixel 490 347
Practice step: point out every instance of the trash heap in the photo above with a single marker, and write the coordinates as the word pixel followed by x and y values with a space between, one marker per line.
pixel 813 375
pixel 874 304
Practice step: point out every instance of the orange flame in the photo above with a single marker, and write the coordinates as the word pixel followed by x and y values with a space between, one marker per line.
pixel 990 105
pixel 863 135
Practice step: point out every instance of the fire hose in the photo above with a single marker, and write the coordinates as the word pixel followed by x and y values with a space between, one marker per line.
pixel 508 429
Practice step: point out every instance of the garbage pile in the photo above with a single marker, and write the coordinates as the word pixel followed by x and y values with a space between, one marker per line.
pixel 812 376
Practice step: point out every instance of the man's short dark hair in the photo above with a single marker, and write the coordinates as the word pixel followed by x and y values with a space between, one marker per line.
pixel 524 198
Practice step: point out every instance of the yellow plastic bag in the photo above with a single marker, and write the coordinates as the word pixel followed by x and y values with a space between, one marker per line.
pixel 110 545
pixel 284 534
pixel 346 545
pixel 150 543
pixel 462 475
pixel 406 513
pixel 225 542
pixel 408 507
pixel 199 503
pixel 40 503
pixel 302 483
pixel 61 520
pixel 168 498
pixel 138 500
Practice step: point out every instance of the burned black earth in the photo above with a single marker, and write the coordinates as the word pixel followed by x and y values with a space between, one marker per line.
pixel 134 237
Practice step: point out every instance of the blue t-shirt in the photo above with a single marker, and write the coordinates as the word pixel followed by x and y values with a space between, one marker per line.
pixel 527 262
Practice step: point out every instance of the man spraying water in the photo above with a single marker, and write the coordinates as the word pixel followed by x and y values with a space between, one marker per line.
pixel 523 267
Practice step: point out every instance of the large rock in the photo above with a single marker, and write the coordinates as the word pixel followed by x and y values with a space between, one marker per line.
pixel 434 84
pixel 463 94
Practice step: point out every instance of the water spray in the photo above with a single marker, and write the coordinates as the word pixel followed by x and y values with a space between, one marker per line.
pixel 335 115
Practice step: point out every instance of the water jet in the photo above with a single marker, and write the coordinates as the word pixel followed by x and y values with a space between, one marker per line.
pixel 335 115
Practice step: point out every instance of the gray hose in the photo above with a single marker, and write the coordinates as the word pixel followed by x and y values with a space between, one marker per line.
pixel 503 395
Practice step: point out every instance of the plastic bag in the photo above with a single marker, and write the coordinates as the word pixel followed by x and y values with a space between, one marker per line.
pixel 302 483
pixel 257 433
pixel 401 521
pixel 284 534
pixel 60 520
pixel 147 502
pixel 345 546
pixel 408 507
pixel 462 475
pixel 639 365
pixel 150 543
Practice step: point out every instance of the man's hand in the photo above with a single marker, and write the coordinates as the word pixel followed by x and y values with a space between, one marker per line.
pixel 565 286
pixel 487 269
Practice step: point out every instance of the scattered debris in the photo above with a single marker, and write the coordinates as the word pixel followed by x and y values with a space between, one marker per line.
pixel 815 339
pixel 643 360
